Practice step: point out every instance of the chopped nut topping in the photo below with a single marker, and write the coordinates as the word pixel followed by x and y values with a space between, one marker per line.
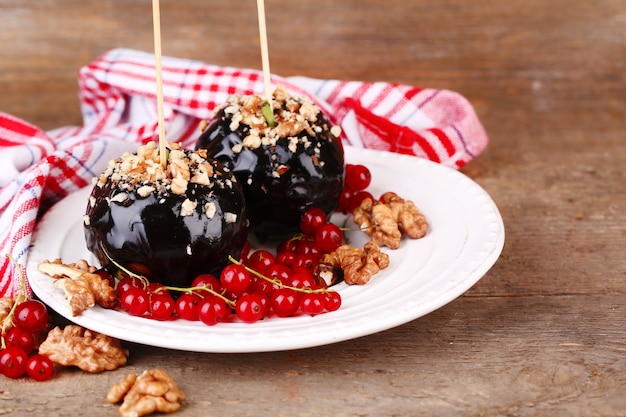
pixel 230 217
pixel 144 191
pixel 178 168
pixel 295 124
pixel 309 111
pixel 294 115
pixel 179 185
pixel 142 173
pixel 188 207
pixel 252 141
pixel 210 209
pixel 203 174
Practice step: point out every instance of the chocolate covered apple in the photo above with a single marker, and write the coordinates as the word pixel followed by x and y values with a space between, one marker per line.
pixel 169 223
pixel 287 158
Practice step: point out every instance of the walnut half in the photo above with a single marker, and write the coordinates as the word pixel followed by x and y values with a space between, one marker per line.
pixel 90 351
pixel 386 220
pixel 83 287
pixel 356 265
pixel 152 391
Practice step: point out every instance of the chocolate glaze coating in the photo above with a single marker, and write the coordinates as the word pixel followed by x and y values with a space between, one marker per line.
pixel 278 182
pixel 149 236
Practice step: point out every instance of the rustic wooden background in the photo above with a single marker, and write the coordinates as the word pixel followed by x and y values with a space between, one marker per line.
pixel 543 333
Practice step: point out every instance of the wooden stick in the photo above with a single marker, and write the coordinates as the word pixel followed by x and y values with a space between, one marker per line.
pixel 265 56
pixel 156 20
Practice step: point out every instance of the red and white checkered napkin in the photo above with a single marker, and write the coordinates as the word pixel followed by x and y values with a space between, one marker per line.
pixel 117 93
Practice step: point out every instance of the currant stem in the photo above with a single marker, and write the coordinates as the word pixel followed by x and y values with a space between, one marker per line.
pixel 21 295
pixel 193 290
pixel 277 282
pixel 130 273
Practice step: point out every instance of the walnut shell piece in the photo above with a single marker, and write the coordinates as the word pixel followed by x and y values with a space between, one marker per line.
pixel 90 351
pixel 152 391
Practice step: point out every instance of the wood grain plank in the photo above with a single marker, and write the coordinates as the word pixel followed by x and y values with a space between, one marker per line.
pixel 491 356
pixel 543 333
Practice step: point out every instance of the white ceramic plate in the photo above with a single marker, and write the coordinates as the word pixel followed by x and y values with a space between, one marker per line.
pixel 465 239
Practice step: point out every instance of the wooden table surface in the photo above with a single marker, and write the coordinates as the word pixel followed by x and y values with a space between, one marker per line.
pixel 543 332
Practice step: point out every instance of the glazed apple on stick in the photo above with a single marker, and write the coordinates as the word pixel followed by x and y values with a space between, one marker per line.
pixel 165 212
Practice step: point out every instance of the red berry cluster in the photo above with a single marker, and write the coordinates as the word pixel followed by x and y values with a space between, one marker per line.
pixel 18 353
pixel 358 178
pixel 260 285
pixel 19 331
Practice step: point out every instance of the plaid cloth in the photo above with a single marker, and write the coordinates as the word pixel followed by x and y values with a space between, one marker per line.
pixel 117 95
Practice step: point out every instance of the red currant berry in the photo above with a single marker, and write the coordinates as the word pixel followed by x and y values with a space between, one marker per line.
pixel 157 288
pixel 309 248
pixel 260 260
pixel 212 310
pixel 357 199
pixel 135 301
pixel 187 306
pixel 250 307
pixel 209 281
pixel 329 237
pixel 312 303
pixel 306 262
pixel 280 272
pixel 344 199
pixel 285 302
pixel 312 219
pixel 235 279
pixel 287 258
pixel 288 245
pixel 31 316
pixel 125 284
pixel 245 251
pixel 39 367
pixel 162 306
pixel 302 279
pixel 265 302
pixel 13 361
pixel 358 177
pixel 332 302
pixel 21 338
pixel 262 286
